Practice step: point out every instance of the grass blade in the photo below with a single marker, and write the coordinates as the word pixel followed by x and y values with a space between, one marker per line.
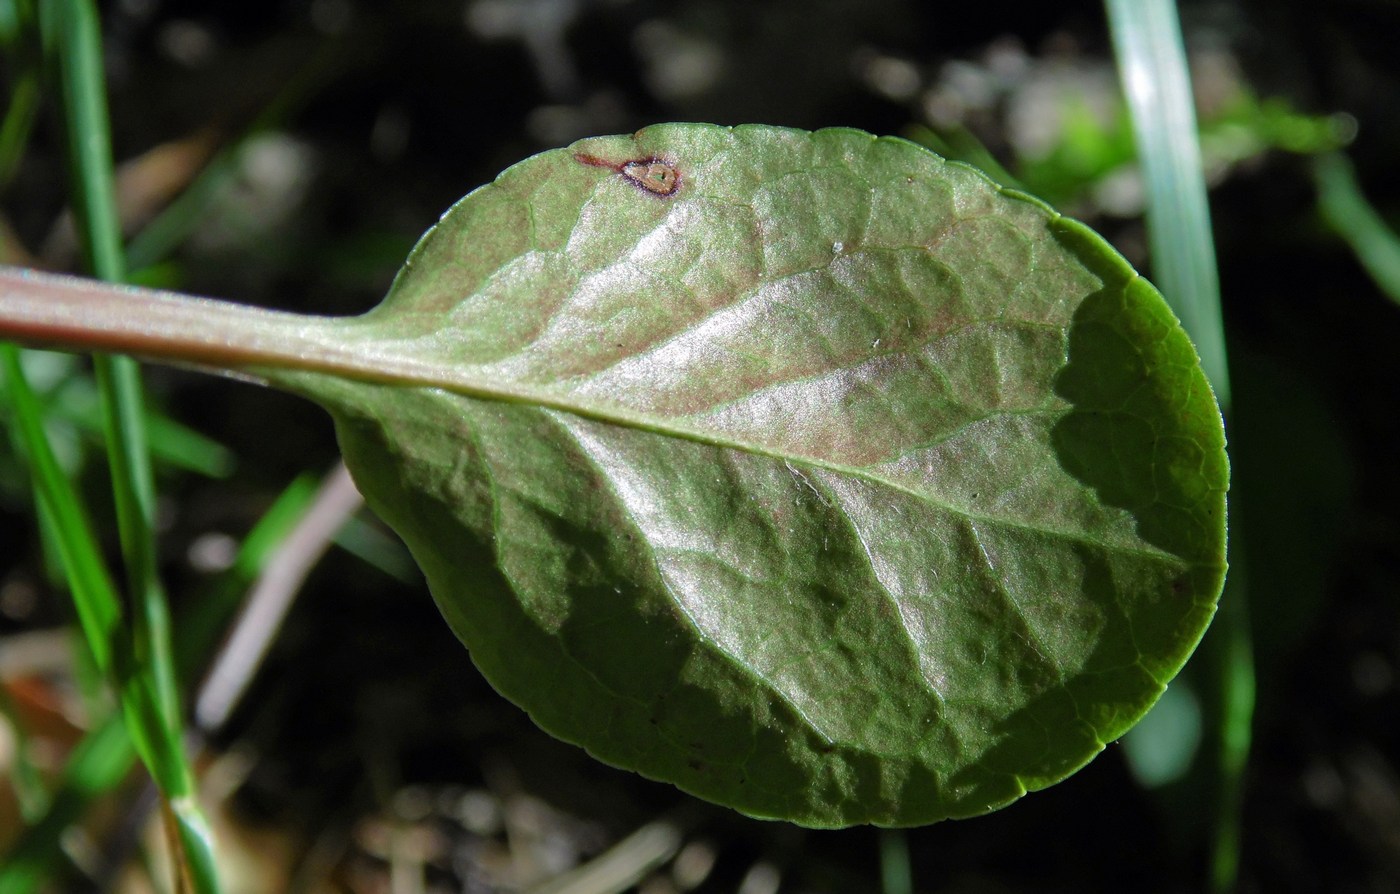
pixel 1346 211
pixel 105 755
pixel 94 596
pixel 79 60
pixel 99 610
pixel 896 875
pixel 73 37
pixel 1152 62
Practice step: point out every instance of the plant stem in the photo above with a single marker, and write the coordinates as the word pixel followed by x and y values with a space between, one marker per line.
pixel 71 314
pixel 65 313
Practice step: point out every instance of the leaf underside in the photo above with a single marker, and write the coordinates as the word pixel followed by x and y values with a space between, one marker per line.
pixel 807 471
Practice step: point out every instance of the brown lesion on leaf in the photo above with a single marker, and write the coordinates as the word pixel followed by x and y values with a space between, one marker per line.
pixel 654 175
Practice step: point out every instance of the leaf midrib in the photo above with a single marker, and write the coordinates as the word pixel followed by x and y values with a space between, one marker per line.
pixel 395 370
pixel 291 351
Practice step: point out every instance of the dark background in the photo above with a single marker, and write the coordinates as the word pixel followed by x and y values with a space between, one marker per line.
pixel 353 125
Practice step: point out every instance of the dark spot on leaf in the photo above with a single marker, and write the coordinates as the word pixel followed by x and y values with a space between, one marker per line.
pixel 697 765
pixel 653 175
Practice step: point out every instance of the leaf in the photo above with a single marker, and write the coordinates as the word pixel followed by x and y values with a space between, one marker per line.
pixel 807 471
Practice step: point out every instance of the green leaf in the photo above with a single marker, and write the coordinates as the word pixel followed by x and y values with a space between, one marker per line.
pixel 809 472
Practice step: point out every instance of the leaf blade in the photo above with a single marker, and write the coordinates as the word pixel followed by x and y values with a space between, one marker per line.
pixel 836 484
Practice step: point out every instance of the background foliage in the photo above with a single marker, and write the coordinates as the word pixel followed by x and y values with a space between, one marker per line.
pixel 331 133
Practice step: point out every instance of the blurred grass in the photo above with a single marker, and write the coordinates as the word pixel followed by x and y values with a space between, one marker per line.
pixel 174 223
pixel 105 756
pixel 99 614
pixel 1152 62
pixel 132 641
pixel 16 24
pixel 77 61
pixel 132 647
pixel 98 608
pixel 896 875
pixel 1345 209
pixel 1095 147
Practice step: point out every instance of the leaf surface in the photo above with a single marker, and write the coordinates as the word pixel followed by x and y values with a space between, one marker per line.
pixel 807 471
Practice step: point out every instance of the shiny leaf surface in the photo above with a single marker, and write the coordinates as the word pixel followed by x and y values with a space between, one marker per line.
pixel 807 471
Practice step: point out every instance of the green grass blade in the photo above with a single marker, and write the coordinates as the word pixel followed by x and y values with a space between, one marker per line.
pixel 1345 209
pixel 105 756
pixel 76 43
pixel 94 596
pixel 73 37
pixel 280 519
pixel 119 381
pixel 70 395
pixel 187 449
pixel 896 876
pixel 79 61
pixel 1232 662
pixel 98 608
pixel 207 621
pixel 373 546
pixel 1152 62
pixel 16 32
pixel 17 124
pixel 79 66
pixel 174 224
